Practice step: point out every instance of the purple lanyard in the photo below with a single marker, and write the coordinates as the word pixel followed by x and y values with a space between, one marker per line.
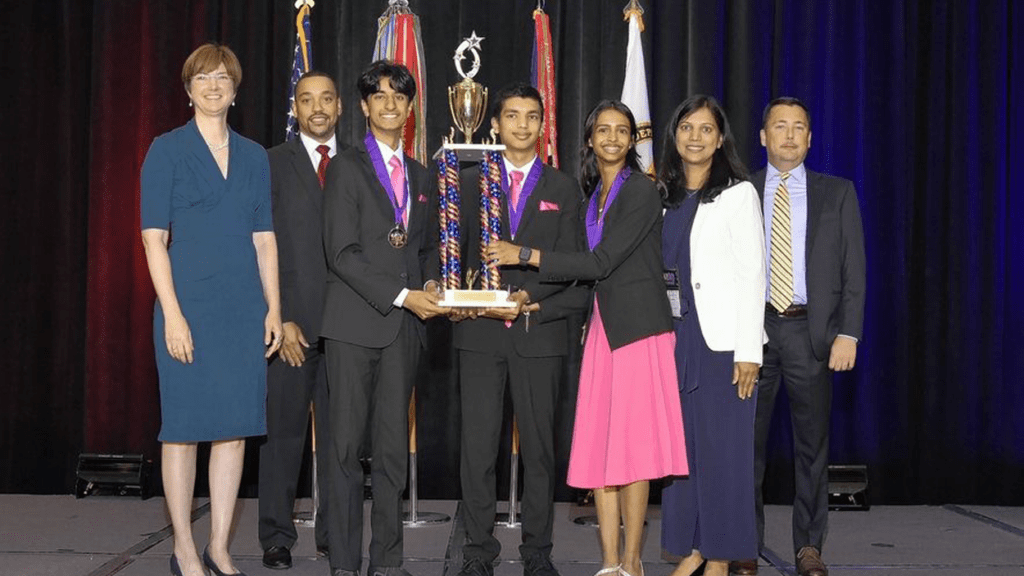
pixel 595 225
pixel 373 149
pixel 515 213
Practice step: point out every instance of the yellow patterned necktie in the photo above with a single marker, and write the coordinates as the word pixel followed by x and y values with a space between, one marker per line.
pixel 782 249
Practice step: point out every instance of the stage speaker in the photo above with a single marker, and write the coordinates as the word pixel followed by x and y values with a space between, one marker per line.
pixel 848 487
pixel 114 474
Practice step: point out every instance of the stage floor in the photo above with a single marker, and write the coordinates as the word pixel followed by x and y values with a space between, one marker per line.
pixel 101 536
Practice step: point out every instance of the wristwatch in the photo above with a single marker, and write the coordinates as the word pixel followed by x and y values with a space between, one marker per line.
pixel 524 254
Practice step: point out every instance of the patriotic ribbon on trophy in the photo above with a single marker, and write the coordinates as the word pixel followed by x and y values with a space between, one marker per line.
pixel 490 217
pixel 542 75
pixel 302 62
pixel 634 87
pixel 399 40
pixel 448 214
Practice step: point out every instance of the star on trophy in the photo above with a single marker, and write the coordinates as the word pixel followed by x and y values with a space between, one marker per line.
pixel 467 101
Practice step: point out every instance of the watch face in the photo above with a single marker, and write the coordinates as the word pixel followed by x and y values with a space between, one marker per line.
pixel 524 254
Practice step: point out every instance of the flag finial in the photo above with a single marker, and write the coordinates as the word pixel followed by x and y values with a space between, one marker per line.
pixel 634 9
pixel 301 3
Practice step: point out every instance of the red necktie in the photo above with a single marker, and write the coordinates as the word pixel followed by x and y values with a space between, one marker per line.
pixel 325 159
pixel 398 184
pixel 517 187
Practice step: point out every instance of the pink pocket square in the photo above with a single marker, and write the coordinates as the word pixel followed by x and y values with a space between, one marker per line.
pixel 422 198
pixel 546 206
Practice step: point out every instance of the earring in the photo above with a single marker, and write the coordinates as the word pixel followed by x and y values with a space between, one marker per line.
pixel 232 102
pixel 190 103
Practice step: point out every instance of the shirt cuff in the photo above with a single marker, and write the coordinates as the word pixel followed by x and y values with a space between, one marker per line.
pixel 845 336
pixel 400 299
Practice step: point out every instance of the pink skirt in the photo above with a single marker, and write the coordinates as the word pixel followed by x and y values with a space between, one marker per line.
pixel 629 425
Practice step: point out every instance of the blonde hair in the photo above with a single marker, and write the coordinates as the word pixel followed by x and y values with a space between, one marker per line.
pixel 207 58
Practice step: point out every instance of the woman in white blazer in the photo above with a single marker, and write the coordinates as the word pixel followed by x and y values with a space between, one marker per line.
pixel 713 246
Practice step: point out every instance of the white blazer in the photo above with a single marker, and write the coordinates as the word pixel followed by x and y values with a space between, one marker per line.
pixel 728 274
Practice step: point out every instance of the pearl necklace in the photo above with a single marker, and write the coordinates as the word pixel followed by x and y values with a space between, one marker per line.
pixel 221 147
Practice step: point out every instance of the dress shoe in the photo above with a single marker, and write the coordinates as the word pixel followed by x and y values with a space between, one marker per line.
pixel 808 562
pixel 322 551
pixel 213 565
pixel 277 558
pixel 386 571
pixel 538 565
pixel 476 567
pixel 743 567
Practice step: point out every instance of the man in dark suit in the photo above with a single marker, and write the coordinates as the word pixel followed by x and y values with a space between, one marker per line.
pixel 539 209
pixel 297 375
pixel 813 315
pixel 380 239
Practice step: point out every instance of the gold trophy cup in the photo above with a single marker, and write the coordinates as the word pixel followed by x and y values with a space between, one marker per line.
pixel 467 101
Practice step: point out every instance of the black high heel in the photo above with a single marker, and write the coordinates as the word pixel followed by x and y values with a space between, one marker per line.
pixel 213 565
pixel 175 568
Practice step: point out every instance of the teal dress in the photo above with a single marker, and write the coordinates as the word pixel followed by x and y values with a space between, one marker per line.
pixel 211 219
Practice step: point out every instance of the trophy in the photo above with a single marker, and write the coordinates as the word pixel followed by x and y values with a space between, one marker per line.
pixel 467 102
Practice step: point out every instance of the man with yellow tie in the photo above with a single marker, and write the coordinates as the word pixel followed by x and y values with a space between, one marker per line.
pixel 814 314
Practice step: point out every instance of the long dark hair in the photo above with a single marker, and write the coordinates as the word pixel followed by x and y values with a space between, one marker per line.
pixel 589 175
pixel 726 166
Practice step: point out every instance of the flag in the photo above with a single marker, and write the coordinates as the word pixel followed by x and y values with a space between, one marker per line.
pixel 399 40
pixel 302 62
pixel 542 75
pixel 634 87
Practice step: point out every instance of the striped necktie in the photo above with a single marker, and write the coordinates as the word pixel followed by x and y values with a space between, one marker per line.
pixel 782 249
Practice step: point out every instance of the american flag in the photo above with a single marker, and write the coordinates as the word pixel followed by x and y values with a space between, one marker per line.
pixel 302 63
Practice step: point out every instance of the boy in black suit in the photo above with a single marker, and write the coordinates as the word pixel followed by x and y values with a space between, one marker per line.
pixel 525 349
pixel 380 239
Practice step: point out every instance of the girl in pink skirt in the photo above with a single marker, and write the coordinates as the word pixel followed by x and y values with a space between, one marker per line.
pixel 629 426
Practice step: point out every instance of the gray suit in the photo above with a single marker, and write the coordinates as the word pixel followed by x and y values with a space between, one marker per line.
pixel 798 349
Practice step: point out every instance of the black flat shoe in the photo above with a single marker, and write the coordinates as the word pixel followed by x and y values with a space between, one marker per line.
pixel 213 565
pixel 277 558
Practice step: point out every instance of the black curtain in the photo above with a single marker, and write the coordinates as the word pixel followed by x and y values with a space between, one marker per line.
pixel 911 100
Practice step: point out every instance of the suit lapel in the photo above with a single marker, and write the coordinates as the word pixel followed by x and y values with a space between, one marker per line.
pixel 309 183
pixel 378 195
pixel 815 206
pixel 415 176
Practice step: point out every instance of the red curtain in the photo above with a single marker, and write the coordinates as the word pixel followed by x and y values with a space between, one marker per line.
pixel 137 94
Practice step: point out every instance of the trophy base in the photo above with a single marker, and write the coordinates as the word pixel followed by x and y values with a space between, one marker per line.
pixel 469 152
pixel 476 299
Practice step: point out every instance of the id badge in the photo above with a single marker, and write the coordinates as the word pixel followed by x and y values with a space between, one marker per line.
pixel 671 276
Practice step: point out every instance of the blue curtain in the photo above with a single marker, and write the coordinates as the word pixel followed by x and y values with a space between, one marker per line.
pixel 913 101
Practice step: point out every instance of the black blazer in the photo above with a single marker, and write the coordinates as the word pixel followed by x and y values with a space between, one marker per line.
pixel 365 273
pixel 626 265
pixel 297 202
pixel 836 265
pixel 556 227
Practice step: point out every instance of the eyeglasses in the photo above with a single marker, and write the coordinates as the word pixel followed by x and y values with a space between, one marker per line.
pixel 214 78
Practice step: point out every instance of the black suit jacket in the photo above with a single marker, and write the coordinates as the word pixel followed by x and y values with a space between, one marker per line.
pixel 556 227
pixel 835 261
pixel 626 266
pixel 366 273
pixel 297 202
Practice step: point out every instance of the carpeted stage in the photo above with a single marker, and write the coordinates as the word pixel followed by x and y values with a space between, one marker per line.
pixel 101 536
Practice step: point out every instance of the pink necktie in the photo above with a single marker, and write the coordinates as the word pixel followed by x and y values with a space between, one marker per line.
pixel 398 186
pixel 517 187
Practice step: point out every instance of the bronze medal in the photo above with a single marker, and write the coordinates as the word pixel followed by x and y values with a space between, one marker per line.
pixel 397 237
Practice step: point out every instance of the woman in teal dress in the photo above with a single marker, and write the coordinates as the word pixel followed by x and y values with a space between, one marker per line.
pixel 209 240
